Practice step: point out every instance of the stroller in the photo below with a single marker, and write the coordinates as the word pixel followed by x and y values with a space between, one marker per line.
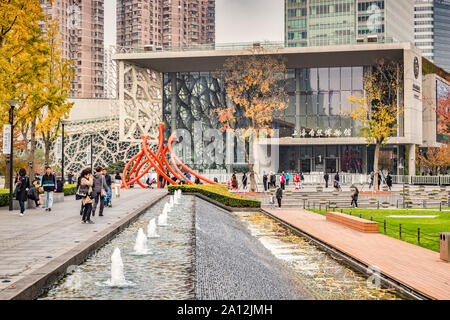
pixel 107 198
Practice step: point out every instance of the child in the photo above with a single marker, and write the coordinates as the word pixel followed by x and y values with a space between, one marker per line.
pixel 272 201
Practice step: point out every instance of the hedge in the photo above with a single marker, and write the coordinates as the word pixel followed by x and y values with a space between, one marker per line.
pixel 218 193
pixel 69 189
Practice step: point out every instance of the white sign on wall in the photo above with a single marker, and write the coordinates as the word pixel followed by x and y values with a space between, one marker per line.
pixel 7 139
pixel 88 157
pixel 58 152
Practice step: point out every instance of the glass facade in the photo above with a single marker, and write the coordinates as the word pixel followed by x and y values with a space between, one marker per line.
pixel 441 34
pixel 318 102
pixel 331 22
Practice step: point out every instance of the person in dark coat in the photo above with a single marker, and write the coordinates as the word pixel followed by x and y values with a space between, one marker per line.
pixel 389 181
pixel 48 183
pixel 279 196
pixel 244 181
pixel 272 179
pixel 98 190
pixel 326 177
pixel 22 186
pixel 355 195
pixel 70 177
pixel 265 181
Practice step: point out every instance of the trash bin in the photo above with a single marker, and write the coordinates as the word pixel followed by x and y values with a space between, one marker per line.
pixel 444 245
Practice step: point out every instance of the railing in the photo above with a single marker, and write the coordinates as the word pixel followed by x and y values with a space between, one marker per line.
pixel 422 180
pixel 228 46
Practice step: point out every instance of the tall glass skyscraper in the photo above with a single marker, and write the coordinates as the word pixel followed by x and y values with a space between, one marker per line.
pixel 333 22
pixel 432 29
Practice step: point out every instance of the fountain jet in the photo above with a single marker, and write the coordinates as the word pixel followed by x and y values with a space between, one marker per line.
pixel 151 229
pixel 117 276
pixel 140 247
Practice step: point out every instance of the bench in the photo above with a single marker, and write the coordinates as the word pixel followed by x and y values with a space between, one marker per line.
pixel 356 223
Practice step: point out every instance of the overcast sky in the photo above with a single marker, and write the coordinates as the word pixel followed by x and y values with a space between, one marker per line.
pixel 236 21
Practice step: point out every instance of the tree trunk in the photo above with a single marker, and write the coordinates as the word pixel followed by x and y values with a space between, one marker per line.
pixel 47 152
pixel 32 150
pixel 252 177
pixel 375 166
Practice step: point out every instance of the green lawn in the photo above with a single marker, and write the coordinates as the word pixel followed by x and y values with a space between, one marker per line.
pixel 429 227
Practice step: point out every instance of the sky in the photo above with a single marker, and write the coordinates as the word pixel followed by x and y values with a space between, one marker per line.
pixel 236 21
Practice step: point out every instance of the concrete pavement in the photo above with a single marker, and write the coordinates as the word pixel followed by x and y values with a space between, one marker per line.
pixel 37 249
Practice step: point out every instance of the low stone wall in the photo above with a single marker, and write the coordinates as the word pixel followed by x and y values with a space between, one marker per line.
pixel 57 197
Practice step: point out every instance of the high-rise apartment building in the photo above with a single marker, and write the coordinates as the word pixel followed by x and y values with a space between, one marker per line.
pixel 167 23
pixel 333 22
pixel 432 29
pixel 81 28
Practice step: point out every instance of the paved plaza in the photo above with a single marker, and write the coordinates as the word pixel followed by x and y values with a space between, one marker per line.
pixel 413 266
pixel 38 243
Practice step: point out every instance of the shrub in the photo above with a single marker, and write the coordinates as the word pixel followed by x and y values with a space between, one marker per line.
pixel 218 193
pixel 4 197
pixel 70 189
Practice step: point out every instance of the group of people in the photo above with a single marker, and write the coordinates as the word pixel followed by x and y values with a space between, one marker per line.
pixel 336 183
pixel 387 179
pixel 24 190
pixel 269 180
pixel 95 190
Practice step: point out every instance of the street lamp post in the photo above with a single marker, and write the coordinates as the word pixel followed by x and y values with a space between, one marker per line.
pixel 62 154
pixel 402 167
pixel 91 153
pixel 12 104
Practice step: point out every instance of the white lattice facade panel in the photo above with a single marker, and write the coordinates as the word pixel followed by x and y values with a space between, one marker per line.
pixel 140 104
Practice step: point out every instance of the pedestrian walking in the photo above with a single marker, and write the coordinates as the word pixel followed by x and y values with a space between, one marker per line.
pixel 379 180
pixel 297 181
pixel 22 186
pixel 336 181
pixel 265 181
pixel 371 180
pixel 117 184
pixel 70 177
pixel 272 179
pixel 244 181
pixel 326 177
pixel 86 192
pixel 389 181
pixel 99 191
pixel 354 196
pixel 282 180
pixel 108 187
pixel 302 180
pixel 48 183
pixel 287 177
pixel 272 201
pixel 279 196
pixel 234 183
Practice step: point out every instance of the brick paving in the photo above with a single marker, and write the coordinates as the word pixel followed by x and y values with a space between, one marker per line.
pixel 413 266
pixel 29 243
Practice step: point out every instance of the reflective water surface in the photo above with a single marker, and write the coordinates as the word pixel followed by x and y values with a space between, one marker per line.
pixel 166 273
pixel 321 275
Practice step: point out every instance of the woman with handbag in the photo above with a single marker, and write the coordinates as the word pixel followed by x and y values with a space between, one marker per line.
pixel 85 192
pixel 23 184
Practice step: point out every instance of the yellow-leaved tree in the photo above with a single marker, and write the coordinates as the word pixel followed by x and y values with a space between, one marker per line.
pixel 22 60
pixel 57 80
pixel 255 88
pixel 378 110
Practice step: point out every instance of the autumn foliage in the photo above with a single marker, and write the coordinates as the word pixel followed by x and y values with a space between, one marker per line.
pixel 377 110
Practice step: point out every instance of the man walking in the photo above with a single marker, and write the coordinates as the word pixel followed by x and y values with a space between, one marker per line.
pixel 288 176
pixel 108 187
pixel 99 190
pixel 48 183
pixel 279 196
pixel 265 181
pixel 326 177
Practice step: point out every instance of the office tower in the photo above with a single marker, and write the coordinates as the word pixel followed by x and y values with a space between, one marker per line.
pixel 334 22
pixel 166 23
pixel 81 25
pixel 432 29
